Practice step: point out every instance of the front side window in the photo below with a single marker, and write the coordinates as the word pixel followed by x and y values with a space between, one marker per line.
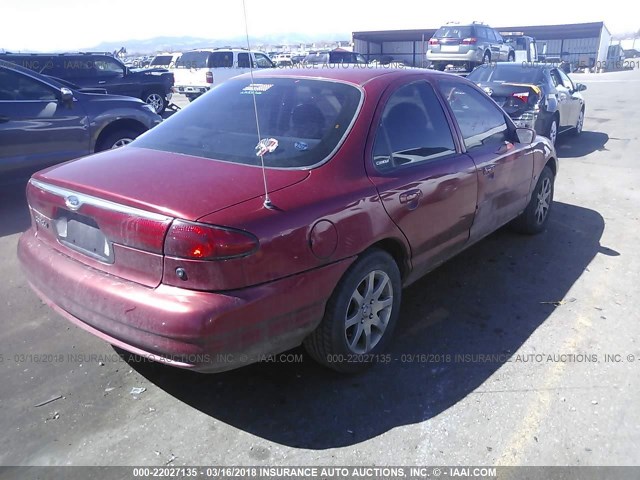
pixel 108 66
pixel 262 61
pixel 479 118
pixel 15 86
pixel 413 129
pixel 566 81
pixel 308 118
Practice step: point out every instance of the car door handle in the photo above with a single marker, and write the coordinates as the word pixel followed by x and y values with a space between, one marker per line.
pixel 102 82
pixel 411 196
pixel 489 170
pixel 4 119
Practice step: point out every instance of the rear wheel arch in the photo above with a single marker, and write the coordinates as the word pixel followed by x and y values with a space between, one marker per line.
pixel 398 252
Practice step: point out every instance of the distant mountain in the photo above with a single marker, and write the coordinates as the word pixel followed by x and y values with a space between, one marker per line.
pixel 178 44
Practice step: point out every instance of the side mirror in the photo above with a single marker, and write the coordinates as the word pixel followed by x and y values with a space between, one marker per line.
pixel 525 135
pixel 581 87
pixel 66 96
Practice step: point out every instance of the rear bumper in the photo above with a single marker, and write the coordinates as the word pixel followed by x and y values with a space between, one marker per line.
pixel 202 331
pixel 470 56
pixel 190 89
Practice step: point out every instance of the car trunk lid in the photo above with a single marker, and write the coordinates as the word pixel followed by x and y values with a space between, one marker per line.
pixel 514 98
pixel 112 210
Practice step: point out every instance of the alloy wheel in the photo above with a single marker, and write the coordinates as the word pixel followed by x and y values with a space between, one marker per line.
pixel 122 142
pixel 544 200
pixel 368 312
pixel 156 101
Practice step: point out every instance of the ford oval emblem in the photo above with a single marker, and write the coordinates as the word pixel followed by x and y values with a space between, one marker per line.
pixel 72 202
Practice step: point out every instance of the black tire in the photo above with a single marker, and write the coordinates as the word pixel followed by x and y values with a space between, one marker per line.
pixel 531 221
pixel 511 57
pixel 579 124
pixel 328 344
pixel 486 58
pixel 156 99
pixel 549 133
pixel 191 97
pixel 111 140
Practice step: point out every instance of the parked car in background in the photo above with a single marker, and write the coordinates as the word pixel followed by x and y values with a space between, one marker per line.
pixel 95 70
pixel 198 71
pixel 541 97
pixel 44 122
pixel 338 56
pixel 467 46
pixel 164 60
pixel 524 47
pixel 375 177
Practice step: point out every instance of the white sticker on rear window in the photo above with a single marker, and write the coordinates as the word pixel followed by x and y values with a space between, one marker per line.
pixel 257 88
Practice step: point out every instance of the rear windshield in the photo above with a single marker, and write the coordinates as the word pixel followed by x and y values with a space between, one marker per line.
pixel 308 118
pixel 193 60
pixel 506 74
pixel 162 60
pixel 453 32
pixel 317 58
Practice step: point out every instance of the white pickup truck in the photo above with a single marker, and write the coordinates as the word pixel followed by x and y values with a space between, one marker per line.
pixel 197 71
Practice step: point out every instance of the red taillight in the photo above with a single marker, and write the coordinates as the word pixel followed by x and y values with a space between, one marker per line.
pixel 209 77
pixel 469 41
pixel 523 96
pixel 434 41
pixel 130 229
pixel 207 242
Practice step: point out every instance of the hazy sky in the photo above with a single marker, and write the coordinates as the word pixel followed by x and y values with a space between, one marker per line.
pixel 72 24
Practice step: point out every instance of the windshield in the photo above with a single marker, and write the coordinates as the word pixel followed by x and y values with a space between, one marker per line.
pixel 506 74
pixel 308 118
pixel 317 58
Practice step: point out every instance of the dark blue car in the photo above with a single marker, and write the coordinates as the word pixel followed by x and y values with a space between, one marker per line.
pixel 44 122
pixel 96 70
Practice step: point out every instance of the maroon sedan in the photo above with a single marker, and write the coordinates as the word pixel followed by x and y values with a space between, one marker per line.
pixel 180 247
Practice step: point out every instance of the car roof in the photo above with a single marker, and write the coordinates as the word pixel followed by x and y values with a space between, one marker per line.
pixel 349 73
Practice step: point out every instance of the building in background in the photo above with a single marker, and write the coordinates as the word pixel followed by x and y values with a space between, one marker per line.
pixel 580 44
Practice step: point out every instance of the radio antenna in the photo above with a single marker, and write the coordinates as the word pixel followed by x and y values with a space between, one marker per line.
pixel 267 201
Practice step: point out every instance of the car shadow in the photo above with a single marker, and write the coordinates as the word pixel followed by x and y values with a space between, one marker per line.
pixel 14 210
pixel 576 147
pixel 486 301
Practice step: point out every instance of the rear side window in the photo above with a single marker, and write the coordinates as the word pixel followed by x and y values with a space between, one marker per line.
pixel 193 60
pixel 221 60
pixel 243 60
pixel 413 129
pixel 308 118
pixel 479 118
pixel 454 32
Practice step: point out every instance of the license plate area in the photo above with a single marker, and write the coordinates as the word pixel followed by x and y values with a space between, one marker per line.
pixel 82 234
pixel 449 48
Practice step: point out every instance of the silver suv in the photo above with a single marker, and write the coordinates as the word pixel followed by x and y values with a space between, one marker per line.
pixel 467 46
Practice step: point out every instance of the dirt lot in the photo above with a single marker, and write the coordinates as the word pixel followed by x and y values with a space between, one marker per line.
pixel 536 316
